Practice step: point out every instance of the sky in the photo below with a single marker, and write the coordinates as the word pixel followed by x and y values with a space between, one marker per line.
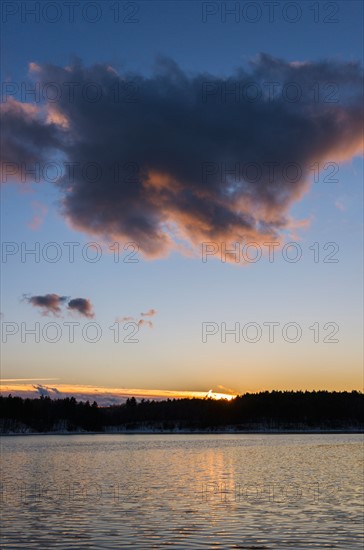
pixel 143 141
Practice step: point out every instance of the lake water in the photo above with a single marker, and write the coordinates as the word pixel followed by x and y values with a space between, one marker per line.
pixel 182 491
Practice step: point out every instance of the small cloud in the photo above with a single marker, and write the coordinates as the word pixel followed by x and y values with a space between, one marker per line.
pixel 141 322
pixel 40 212
pixel 224 389
pixel 82 305
pixel 211 394
pixel 298 64
pixel 49 303
pixel 149 313
pixel 34 67
pixel 340 205
pixel 25 379
pixel 46 391
pixel 144 323
pixel 124 319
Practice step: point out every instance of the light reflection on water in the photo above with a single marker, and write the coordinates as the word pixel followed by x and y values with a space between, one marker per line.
pixel 183 491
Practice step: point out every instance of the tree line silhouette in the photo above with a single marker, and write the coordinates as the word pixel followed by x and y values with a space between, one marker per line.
pixel 296 410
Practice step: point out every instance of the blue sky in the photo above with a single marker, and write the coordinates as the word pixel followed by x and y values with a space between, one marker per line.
pixel 185 291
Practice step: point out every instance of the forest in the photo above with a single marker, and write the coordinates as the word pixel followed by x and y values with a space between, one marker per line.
pixel 275 410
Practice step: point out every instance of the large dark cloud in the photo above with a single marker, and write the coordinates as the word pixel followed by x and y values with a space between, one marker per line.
pixel 162 140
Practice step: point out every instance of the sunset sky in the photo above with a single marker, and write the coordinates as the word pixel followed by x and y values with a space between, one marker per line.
pixel 163 137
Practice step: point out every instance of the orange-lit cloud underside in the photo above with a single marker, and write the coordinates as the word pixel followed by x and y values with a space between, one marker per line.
pixel 101 394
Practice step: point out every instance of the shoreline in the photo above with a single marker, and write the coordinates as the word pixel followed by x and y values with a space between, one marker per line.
pixel 346 431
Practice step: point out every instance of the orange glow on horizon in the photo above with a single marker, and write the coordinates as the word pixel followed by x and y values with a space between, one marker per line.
pixel 92 392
